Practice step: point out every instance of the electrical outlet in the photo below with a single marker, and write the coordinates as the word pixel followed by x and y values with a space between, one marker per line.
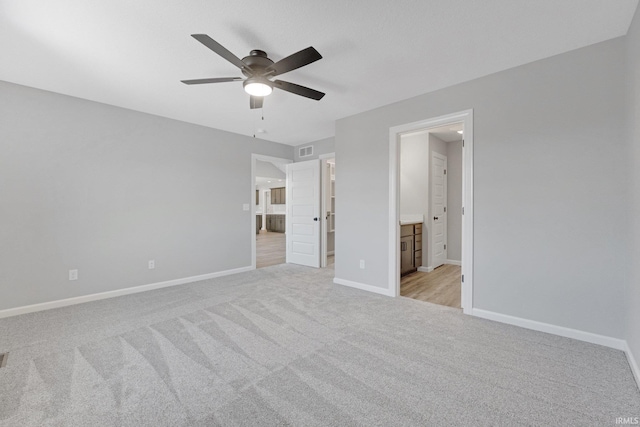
pixel 245 206
pixel 73 274
pixel 362 264
pixel 152 264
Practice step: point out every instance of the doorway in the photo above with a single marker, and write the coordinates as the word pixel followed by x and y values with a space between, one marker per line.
pixel 430 214
pixel 268 212
pixel 427 217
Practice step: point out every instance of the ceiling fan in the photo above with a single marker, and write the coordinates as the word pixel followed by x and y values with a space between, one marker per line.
pixel 258 68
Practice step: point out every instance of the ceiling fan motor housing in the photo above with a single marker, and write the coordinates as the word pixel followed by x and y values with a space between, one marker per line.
pixel 257 61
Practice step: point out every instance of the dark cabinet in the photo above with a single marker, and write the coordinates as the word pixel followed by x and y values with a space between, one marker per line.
pixel 278 196
pixel 410 248
pixel 407 259
pixel 257 197
pixel 276 223
pixel 258 223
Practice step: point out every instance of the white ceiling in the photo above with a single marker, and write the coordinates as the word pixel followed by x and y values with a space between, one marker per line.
pixel 448 133
pixel 262 182
pixel 133 54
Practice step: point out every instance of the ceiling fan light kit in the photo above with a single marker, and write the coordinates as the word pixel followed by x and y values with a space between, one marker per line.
pixel 258 68
pixel 258 86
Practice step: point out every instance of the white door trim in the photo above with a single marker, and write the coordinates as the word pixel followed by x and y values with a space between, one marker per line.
pixel 252 199
pixel 466 117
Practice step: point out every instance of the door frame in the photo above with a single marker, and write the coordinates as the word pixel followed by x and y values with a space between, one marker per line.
pixel 466 117
pixel 323 207
pixel 252 221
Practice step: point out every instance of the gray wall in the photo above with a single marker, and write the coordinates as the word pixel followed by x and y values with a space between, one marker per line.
pixel 633 294
pixel 322 146
pixel 547 230
pixel 268 170
pixel 414 181
pixel 103 190
pixel 414 174
pixel 454 200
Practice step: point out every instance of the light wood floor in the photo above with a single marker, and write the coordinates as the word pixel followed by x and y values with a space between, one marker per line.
pixel 441 286
pixel 270 248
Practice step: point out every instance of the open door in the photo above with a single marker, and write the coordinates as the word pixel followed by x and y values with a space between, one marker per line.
pixel 303 213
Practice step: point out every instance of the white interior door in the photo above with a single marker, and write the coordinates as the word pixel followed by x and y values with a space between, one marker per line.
pixel 438 209
pixel 303 213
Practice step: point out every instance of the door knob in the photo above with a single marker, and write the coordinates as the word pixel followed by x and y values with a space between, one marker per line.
pixel 435 218
pixel 315 219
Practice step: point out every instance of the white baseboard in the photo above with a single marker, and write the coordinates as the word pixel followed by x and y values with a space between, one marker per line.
pixel 116 293
pixel 632 363
pixel 618 344
pixel 364 287
pixel 448 261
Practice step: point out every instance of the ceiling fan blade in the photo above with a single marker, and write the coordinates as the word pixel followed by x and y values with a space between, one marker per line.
pixel 297 60
pixel 219 49
pixel 298 90
pixel 214 80
pixel 256 102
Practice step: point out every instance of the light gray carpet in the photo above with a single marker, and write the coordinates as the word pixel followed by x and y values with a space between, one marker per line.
pixel 284 346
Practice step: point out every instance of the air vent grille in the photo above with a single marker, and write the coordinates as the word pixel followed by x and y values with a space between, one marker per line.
pixel 306 151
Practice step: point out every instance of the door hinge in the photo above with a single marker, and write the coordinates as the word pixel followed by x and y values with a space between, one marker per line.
pixel 445 171
pixel 445 246
pixel 445 208
pixel 463 210
pixel 463 142
pixel 463 278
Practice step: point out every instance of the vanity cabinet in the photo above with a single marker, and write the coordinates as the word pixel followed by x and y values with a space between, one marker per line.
pixel 276 223
pixel 278 196
pixel 410 248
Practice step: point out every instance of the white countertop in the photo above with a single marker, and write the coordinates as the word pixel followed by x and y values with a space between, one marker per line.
pixel 407 219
